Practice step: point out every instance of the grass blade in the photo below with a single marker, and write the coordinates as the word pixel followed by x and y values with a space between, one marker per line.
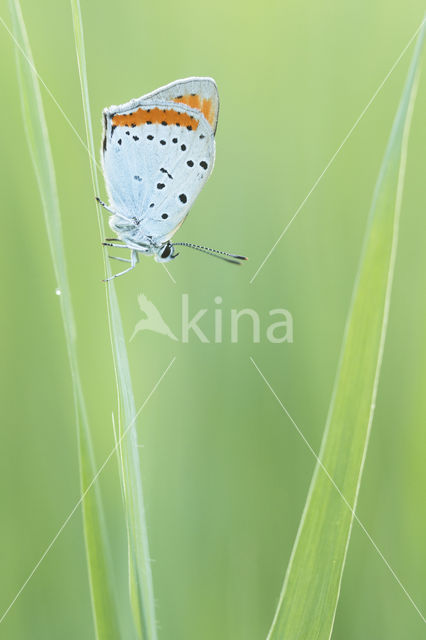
pixel 141 589
pixel 310 592
pixel 100 575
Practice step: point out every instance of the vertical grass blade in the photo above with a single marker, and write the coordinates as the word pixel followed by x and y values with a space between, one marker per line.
pixel 141 588
pixel 100 575
pixel 310 592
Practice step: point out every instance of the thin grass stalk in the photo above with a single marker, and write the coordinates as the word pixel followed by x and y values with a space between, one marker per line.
pixel 310 593
pixel 141 587
pixel 97 549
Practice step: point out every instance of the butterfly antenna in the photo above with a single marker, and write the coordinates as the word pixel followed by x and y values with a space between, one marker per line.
pixel 215 253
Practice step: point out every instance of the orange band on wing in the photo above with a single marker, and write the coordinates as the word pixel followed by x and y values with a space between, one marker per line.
pixel 192 100
pixel 155 116
pixel 204 105
pixel 207 110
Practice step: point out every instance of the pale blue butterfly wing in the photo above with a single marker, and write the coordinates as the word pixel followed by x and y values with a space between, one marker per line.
pixel 158 151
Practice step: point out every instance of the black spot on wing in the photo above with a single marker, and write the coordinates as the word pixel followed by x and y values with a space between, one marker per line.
pixel 163 170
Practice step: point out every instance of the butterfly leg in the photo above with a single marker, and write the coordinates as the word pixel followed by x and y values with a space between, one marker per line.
pixel 114 244
pixel 134 259
pixel 121 259
pixel 104 205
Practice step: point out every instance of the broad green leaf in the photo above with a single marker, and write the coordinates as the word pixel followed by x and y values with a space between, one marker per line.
pixel 141 589
pixel 310 592
pixel 101 578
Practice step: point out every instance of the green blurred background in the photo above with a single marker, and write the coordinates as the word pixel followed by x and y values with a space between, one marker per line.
pixel 225 472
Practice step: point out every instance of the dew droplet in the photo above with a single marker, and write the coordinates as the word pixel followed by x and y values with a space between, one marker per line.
pixel 58 292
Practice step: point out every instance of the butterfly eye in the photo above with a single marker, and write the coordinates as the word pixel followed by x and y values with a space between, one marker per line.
pixel 167 251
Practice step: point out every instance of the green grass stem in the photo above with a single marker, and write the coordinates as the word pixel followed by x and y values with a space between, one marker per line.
pixel 310 593
pixel 97 549
pixel 141 588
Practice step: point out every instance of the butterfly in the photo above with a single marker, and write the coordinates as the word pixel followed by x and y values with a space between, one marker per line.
pixel 157 153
